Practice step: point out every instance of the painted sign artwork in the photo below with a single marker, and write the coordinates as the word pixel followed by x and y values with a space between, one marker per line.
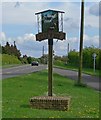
pixel 50 21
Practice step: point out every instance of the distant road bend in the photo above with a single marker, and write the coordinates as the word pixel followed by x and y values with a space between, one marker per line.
pixel 91 81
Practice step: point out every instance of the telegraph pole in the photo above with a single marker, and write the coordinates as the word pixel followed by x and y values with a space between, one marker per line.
pixel 43 51
pixel 67 52
pixel 81 43
pixel 43 54
pixel 67 49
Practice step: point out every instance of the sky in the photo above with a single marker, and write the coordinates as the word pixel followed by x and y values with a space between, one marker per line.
pixel 19 24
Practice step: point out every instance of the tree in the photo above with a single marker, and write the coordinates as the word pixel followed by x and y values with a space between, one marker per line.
pixel 73 58
pixel 11 50
pixel 88 58
pixel 0 48
pixel 7 48
pixel 24 60
pixel 29 59
pixel 44 59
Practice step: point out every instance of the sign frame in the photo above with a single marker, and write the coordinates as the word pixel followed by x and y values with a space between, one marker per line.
pixel 50 35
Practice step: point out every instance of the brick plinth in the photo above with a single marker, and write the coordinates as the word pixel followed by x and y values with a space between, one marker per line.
pixel 47 102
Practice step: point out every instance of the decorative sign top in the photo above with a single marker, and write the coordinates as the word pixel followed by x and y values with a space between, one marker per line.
pixel 50 21
pixel 48 11
pixel 48 25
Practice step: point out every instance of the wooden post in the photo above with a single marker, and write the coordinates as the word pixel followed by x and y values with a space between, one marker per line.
pixel 81 44
pixel 50 66
pixel 43 55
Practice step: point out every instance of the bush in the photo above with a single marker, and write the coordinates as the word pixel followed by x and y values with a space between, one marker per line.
pixel 9 59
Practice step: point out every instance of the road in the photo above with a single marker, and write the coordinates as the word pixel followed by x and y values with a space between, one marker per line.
pixel 91 81
pixel 20 70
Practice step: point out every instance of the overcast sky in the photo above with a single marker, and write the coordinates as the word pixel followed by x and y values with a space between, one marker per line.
pixel 19 24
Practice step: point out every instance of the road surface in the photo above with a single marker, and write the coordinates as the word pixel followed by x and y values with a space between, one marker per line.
pixel 91 81
pixel 20 70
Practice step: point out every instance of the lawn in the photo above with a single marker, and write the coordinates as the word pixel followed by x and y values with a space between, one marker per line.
pixel 17 91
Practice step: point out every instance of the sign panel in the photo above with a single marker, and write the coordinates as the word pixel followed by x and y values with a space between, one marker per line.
pixel 94 55
pixel 41 36
pixel 50 21
pixel 55 35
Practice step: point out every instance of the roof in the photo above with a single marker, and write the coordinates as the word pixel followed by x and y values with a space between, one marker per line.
pixel 49 10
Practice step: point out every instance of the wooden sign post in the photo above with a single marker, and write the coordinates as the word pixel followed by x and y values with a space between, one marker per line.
pixel 50 66
pixel 50 30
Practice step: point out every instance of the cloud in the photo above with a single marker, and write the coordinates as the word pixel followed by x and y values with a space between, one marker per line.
pixel 0 15
pixel 28 44
pixel 94 10
pixel 17 4
pixel 71 25
pixel 100 8
pixel 91 17
pixel 24 14
pixel 88 41
pixel 67 19
pixel 50 1
pixel 60 47
pixel 2 37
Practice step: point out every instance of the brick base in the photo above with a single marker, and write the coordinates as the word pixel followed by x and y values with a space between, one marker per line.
pixel 47 102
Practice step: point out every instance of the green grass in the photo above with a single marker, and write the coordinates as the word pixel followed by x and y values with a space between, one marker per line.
pixel 17 92
pixel 84 70
pixel 6 59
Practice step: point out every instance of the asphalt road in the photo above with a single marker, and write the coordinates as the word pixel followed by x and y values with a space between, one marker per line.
pixel 91 81
pixel 20 70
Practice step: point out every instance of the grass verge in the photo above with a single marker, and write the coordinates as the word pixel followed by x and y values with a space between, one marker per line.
pixel 17 91
pixel 6 59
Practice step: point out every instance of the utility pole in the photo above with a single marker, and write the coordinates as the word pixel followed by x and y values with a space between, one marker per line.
pixel 67 52
pixel 43 54
pixel 14 44
pixel 81 43
pixel 67 49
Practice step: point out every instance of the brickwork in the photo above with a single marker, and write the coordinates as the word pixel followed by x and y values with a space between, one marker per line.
pixel 46 102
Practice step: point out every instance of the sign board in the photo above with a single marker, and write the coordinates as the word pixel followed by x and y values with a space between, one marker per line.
pixel 50 35
pixel 50 31
pixel 41 36
pixel 94 55
pixel 50 21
